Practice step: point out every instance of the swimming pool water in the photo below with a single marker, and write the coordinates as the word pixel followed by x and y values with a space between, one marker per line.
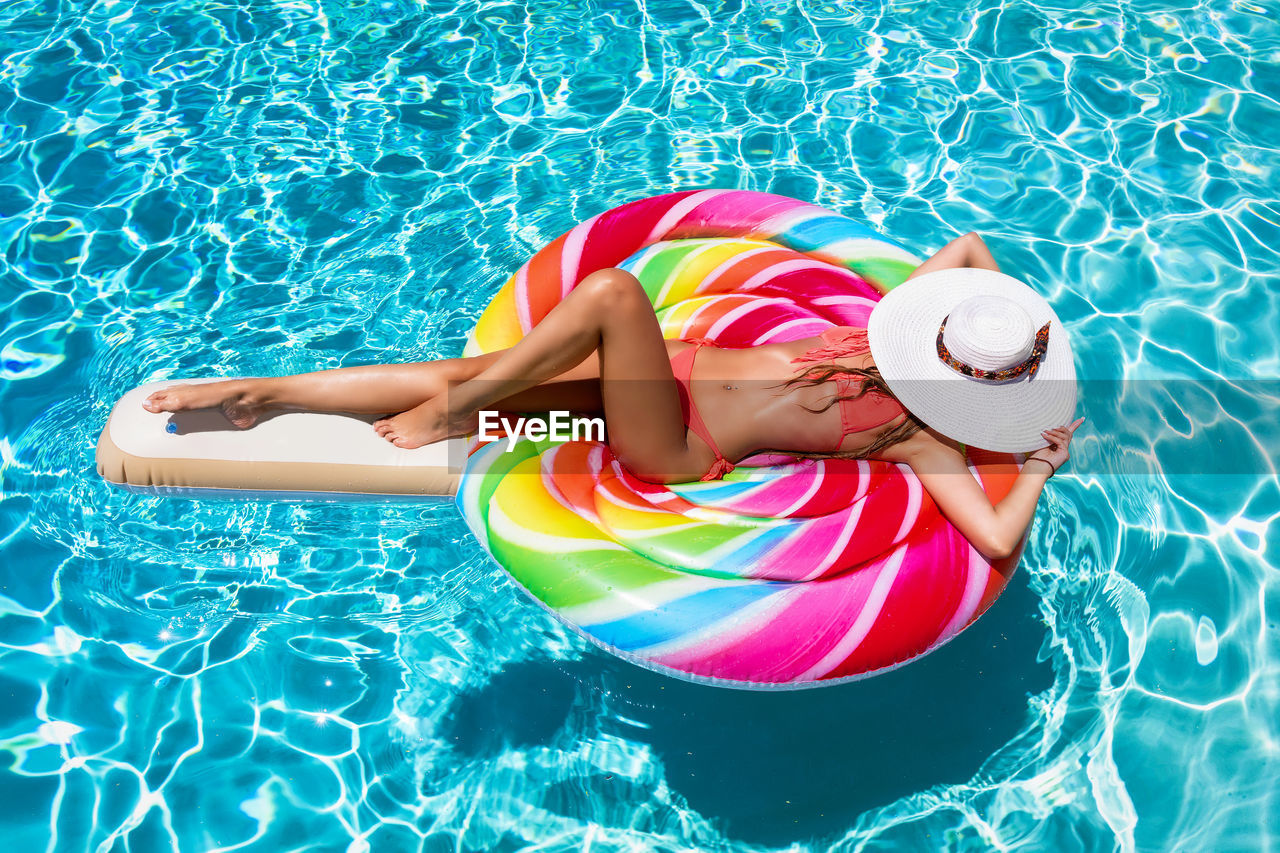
pixel 193 187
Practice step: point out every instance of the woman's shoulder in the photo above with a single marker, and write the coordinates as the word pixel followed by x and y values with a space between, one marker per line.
pixel 921 445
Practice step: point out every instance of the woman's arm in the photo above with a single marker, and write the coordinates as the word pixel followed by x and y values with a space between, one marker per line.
pixel 967 250
pixel 994 530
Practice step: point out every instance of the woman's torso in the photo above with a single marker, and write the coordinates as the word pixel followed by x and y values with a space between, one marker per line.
pixel 747 407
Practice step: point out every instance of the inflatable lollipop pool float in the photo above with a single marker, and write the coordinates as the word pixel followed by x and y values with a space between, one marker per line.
pixel 785 574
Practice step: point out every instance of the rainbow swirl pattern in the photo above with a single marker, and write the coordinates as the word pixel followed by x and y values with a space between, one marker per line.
pixel 785 574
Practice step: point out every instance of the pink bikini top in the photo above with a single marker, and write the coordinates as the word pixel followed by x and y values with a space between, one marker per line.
pixel 867 412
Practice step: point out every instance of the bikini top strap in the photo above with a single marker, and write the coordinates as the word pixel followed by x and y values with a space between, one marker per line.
pixel 837 342
pixel 869 411
pixel 872 409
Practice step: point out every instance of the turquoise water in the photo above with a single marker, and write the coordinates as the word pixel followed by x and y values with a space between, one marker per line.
pixel 220 188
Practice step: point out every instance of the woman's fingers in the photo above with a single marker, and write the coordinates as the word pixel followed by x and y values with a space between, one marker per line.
pixel 1059 440
pixel 1067 428
pixel 1057 437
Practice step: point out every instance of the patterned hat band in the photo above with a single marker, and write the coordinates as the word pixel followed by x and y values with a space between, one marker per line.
pixel 1028 366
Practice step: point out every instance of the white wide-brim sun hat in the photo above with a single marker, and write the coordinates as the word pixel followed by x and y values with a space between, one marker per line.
pixel 991 324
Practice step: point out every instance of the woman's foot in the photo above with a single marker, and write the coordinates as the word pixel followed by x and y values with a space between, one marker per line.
pixel 235 397
pixel 422 425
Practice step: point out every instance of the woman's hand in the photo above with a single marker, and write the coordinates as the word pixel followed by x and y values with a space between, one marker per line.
pixel 1059 439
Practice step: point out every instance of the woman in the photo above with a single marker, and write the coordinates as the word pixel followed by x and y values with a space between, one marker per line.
pixel 964 353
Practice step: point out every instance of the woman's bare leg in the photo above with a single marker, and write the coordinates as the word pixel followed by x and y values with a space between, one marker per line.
pixel 608 314
pixel 604 328
pixel 372 389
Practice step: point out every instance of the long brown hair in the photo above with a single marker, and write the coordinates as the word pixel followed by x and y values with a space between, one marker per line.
pixel 872 381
